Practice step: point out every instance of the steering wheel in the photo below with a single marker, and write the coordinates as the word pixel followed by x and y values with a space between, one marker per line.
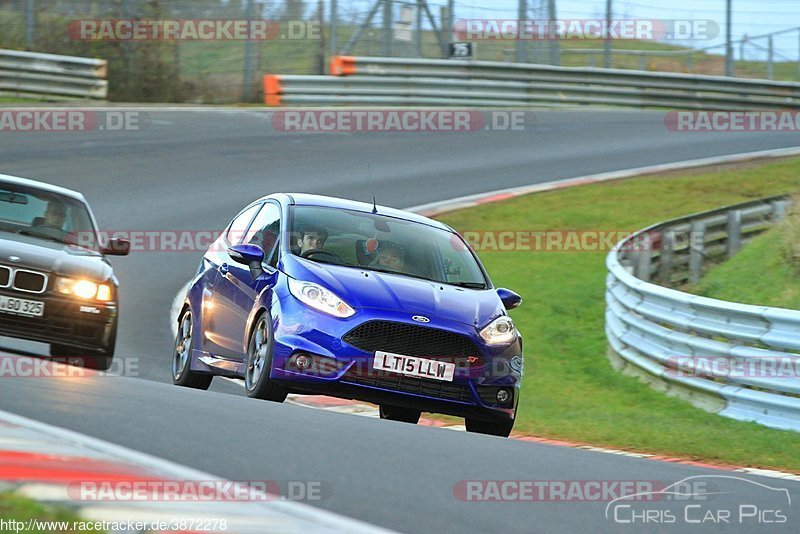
pixel 321 252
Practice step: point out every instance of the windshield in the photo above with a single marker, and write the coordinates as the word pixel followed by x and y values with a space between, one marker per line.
pixel 45 215
pixel 385 244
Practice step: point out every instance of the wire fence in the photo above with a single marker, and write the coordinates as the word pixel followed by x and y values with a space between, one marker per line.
pixel 300 36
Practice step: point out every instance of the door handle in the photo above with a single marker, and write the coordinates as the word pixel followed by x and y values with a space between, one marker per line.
pixel 223 269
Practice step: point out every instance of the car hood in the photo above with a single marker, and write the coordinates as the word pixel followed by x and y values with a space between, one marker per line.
pixel 369 289
pixel 49 256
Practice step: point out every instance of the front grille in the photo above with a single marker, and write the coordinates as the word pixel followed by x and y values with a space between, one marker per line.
pixel 29 281
pixel 38 327
pixel 23 279
pixel 406 384
pixel 412 340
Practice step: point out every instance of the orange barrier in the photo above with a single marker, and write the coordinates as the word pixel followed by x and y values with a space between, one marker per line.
pixel 272 90
pixel 343 65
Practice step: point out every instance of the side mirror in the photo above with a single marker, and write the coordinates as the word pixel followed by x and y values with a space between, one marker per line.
pixel 510 299
pixel 117 247
pixel 246 254
pixel 250 255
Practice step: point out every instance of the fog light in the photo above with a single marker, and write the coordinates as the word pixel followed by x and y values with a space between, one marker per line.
pixel 302 361
pixel 503 396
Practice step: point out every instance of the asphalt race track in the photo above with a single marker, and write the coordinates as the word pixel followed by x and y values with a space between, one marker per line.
pixel 194 169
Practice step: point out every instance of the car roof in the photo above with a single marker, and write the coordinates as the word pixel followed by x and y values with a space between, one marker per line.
pixel 42 186
pixel 305 199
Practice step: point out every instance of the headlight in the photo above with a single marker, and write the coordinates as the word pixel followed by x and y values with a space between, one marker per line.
pixel 319 298
pixel 84 289
pixel 499 331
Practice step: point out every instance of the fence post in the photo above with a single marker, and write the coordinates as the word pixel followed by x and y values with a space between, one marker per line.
pixel 555 47
pixel 334 22
pixel 665 259
pixel 418 33
pixel 779 210
pixel 770 54
pixel 29 23
pixel 697 237
pixel 387 28
pixel 734 233
pixel 644 256
pixel 742 43
pixel 522 10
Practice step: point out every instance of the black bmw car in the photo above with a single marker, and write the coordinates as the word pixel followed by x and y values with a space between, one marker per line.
pixel 56 285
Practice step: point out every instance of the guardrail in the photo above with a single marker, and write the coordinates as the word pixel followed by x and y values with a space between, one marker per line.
pixel 52 77
pixel 713 353
pixel 408 81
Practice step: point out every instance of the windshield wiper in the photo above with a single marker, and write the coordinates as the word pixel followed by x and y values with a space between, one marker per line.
pixel 469 285
pixel 41 236
pixel 401 273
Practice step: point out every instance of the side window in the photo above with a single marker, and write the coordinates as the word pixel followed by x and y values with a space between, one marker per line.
pixel 239 225
pixel 265 232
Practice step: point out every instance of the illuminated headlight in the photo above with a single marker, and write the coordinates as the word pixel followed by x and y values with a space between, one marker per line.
pixel 499 331
pixel 319 298
pixel 83 289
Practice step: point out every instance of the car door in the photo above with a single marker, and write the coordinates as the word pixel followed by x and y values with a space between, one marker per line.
pixel 219 310
pixel 237 289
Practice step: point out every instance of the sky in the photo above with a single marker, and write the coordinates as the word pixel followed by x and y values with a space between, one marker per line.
pixel 751 17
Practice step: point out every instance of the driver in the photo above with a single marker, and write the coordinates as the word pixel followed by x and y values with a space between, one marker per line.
pixel 392 257
pixel 312 238
pixel 54 215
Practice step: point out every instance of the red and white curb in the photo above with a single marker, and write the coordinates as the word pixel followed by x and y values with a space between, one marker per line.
pixel 437 208
pixel 40 461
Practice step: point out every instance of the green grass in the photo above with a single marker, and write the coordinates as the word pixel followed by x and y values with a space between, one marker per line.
pixel 18 508
pixel 764 273
pixel 16 100
pixel 570 390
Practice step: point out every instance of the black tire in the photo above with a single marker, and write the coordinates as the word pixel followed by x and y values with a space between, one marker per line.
pixel 493 428
pixel 257 384
pixel 182 375
pixel 396 413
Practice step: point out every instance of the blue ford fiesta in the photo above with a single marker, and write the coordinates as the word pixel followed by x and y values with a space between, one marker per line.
pixel 318 295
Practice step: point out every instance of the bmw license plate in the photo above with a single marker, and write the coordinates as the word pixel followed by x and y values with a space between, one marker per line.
pixel 31 308
pixel 413 366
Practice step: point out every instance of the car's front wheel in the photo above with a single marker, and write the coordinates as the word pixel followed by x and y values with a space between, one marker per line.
pixel 395 413
pixel 257 383
pixel 493 428
pixel 182 374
